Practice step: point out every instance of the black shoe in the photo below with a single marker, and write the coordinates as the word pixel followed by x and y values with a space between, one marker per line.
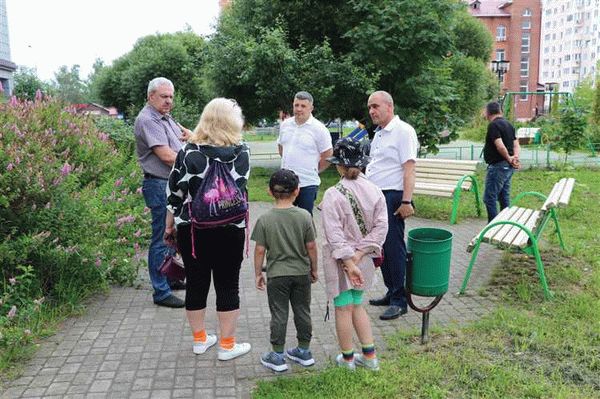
pixel 385 301
pixel 393 312
pixel 171 302
pixel 177 285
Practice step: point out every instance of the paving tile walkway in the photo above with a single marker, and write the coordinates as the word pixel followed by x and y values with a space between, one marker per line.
pixel 126 347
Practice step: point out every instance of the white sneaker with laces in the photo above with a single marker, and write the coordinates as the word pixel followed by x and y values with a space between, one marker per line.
pixel 237 350
pixel 201 347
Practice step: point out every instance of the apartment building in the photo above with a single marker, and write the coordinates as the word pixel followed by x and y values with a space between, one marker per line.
pixel 570 42
pixel 516 28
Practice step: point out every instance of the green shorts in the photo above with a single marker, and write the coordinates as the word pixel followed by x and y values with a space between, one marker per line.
pixel 350 297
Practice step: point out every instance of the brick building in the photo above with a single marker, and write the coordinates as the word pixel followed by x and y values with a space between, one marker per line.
pixel 516 29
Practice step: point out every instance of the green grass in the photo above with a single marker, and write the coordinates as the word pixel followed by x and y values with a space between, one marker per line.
pixel 259 183
pixel 526 348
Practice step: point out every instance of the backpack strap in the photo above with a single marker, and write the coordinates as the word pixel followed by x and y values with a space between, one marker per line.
pixel 358 214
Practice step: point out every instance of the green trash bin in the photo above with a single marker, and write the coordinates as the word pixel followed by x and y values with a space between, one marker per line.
pixel 537 139
pixel 431 250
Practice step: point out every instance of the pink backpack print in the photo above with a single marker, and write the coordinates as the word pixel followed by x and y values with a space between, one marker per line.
pixel 218 201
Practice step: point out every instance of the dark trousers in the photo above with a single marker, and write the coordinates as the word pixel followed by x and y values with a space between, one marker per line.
pixel 394 264
pixel 219 254
pixel 306 198
pixel 281 292
pixel 156 200
pixel 497 187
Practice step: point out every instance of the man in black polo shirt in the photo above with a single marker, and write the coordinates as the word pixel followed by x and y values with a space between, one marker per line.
pixel 501 153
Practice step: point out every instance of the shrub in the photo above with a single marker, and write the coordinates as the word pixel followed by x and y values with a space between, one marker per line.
pixel 71 212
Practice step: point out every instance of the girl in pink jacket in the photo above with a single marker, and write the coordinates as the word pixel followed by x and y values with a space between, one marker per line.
pixel 354 217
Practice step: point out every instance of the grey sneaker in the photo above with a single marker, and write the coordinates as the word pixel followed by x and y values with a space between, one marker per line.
pixel 342 363
pixel 274 361
pixel 371 364
pixel 303 357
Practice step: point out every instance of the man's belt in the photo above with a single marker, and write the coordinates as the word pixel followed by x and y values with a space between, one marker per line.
pixel 151 176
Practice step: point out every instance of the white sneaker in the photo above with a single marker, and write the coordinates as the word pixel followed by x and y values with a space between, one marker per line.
pixel 342 363
pixel 237 350
pixel 371 364
pixel 201 347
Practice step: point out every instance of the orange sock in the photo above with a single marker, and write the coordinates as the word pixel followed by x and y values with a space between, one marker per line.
pixel 200 336
pixel 227 342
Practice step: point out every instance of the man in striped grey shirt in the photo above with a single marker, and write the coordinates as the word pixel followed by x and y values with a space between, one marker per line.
pixel 158 140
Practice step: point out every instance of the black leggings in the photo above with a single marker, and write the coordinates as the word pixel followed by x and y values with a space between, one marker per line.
pixel 219 252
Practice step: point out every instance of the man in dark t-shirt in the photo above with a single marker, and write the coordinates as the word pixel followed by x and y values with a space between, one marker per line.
pixel 501 153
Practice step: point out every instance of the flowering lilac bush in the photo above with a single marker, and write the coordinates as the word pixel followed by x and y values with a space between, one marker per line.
pixel 71 216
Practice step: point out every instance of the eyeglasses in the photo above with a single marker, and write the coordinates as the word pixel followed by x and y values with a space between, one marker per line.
pixel 233 102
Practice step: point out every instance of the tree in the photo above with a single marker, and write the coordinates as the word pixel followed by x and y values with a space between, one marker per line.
pixel 340 51
pixel 27 84
pixel 572 122
pixel 69 86
pixel 177 56
pixel 596 104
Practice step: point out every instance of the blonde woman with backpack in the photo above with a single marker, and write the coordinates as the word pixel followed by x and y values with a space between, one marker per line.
pixel 207 204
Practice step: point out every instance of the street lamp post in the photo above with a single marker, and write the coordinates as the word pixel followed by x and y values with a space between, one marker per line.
pixel 500 67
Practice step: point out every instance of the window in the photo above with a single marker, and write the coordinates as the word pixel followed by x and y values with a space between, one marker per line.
pixel 569 17
pixel 500 54
pixel 523 87
pixel 524 67
pixel 566 83
pixel 547 37
pixel 527 13
pixel 501 33
pixel 568 57
pixel 525 43
pixel 526 24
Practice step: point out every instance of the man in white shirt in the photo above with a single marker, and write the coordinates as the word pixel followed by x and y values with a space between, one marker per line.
pixel 392 168
pixel 304 145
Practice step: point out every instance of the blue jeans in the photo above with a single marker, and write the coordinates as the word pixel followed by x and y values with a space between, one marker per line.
pixel 394 248
pixel 156 200
pixel 497 187
pixel 306 198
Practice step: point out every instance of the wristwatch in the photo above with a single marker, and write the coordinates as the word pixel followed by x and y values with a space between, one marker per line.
pixel 407 202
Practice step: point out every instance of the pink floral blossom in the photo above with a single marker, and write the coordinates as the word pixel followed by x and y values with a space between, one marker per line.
pixel 13 101
pixel 38 95
pixel 139 190
pixel 125 220
pixel 118 182
pixel 137 233
pixel 66 169
pixel 10 166
pixel 98 262
pixel 12 312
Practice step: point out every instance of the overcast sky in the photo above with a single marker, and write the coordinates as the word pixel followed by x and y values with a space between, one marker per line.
pixel 46 34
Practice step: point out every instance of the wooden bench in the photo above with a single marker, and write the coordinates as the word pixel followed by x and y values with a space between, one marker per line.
pixel 447 178
pixel 520 228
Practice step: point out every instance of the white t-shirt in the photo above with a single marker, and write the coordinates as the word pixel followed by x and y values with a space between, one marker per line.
pixel 302 148
pixel 392 146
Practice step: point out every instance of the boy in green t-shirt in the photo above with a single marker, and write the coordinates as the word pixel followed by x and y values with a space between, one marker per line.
pixel 286 234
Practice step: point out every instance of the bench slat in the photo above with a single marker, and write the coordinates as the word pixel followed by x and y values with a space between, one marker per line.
pixel 505 214
pixel 522 239
pixel 435 193
pixel 514 232
pixel 552 200
pixel 565 196
pixel 461 164
pixel 520 215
